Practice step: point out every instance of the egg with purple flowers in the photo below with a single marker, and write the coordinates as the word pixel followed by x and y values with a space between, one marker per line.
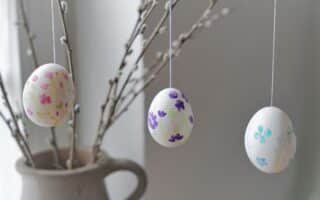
pixel 48 95
pixel 270 141
pixel 170 118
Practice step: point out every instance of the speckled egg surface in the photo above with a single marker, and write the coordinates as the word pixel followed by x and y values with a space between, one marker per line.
pixel 48 95
pixel 270 141
pixel 170 118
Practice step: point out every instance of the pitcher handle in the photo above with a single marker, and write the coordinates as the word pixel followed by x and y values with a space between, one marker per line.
pixel 128 165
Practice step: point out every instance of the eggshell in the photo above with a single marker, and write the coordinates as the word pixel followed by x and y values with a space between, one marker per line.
pixel 270 141
pixel 170 118
pixel 48 95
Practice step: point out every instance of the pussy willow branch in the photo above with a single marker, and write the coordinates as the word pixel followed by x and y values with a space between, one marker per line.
pixel 66 42
pixel 144 13
pixel 55 149
pixel 13 126
pixel 29 34
pixel 205 21
pixel 152 37
pixel 114 111
pixel 182 39
pixel 32 53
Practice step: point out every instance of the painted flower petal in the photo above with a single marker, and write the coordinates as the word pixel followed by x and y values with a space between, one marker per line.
pixel 260 129
pixel 179 105
pixel 173 94
pixel 172 139
pixel 179 136
pixel 162 113
pixel 191 119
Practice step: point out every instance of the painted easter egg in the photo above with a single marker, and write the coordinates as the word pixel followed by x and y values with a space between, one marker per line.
pixel 170 118
pixel 270 141
pixel 48 95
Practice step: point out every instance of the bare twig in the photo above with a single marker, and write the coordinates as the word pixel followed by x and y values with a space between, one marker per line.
pixel 15 129
pixel 151 38
pixel 144 12
pixel 55 149
pixel 115 111
pixel 29 34
pixel 66 42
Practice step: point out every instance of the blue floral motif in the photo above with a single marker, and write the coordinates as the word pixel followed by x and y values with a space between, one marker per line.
pixel 152 120
pixel 262 134
pixel 179 105
pixel 162 113
pixel 176 137
pixel 173 94
pixel 262 161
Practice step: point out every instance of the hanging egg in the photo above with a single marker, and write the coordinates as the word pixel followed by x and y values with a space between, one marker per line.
pixel 48 95
pixel 270 141
pixel 170 118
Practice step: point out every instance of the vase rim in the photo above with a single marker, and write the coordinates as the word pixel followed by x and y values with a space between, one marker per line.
pixel 88 167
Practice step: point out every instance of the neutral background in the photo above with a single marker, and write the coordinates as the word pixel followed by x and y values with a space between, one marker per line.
pixel 225 72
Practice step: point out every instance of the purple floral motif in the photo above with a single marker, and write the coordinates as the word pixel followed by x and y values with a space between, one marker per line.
pixel 162 113
pixel 152 120
pixel 191 119
pixel 173 94
pixel 176 137
pixel 49 75
pixel 29 111
pixel 185 98
pixel 179 105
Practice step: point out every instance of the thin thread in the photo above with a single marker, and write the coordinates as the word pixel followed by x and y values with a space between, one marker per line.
pixel 54 56
pixel 170 43
pixel 273 52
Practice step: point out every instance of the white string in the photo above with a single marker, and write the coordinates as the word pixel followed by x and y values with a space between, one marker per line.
pixel 54 57
pixel 273 52
pixel 170 43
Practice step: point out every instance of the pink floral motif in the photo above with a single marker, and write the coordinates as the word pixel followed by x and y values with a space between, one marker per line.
pixel 65 75
pixel 29 111
pixel 35 78
pixel 49 75
pixel 44 99
pixel 44 86
pixel 57 113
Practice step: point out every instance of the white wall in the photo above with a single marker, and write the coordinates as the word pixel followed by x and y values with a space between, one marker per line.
pixel 99 29
pixel 226 73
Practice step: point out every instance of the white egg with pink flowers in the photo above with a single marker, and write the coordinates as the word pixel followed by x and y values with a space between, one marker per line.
pixel 170 118
pixel 48 95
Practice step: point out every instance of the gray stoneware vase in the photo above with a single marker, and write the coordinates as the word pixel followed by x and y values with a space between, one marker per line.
pixel 83 183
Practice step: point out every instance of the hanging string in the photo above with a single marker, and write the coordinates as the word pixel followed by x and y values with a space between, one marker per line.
pixel 170 43
pixel 273 52
pixel 54 56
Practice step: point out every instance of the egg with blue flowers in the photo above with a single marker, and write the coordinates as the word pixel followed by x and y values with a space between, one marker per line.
pixel 170 118
pixel 270 141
